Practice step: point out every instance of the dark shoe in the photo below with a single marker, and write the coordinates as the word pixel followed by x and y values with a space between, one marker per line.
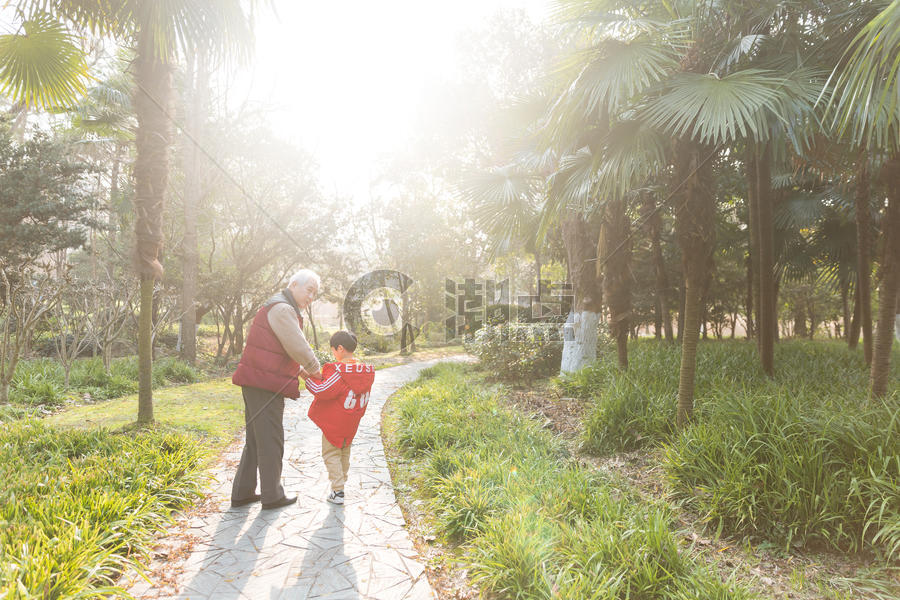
pixel 285 501
pixel 246 501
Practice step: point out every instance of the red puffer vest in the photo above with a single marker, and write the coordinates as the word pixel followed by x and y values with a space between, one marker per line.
pixel 264 363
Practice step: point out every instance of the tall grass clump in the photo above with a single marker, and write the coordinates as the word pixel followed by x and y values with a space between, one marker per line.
pixel 802 458
pixel 38 381
pixel 532 523
pixel 77 507
pixel 787 468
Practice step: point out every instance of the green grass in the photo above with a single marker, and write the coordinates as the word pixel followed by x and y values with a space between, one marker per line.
pixel 531 522
pixel 42 381
pixel 804 458
pixel 213 408
pixel 86 493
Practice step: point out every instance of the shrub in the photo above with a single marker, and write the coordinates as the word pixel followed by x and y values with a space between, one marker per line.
pixel 517 352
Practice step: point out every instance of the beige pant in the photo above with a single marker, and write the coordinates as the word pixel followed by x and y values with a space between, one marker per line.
pixel 337 461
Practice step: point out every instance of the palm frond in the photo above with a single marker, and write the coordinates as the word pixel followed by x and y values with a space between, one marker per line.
pixel 745 45
pixel 503 205
pixel 43 65
pixel 865 99
pixel 714 110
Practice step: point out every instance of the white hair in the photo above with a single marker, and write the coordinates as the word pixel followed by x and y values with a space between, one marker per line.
pixel 304 275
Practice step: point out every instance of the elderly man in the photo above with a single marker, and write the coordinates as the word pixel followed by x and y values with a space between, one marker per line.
pixel 275 355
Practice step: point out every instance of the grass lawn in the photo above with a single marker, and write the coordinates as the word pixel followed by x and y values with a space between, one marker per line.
pixel 213 409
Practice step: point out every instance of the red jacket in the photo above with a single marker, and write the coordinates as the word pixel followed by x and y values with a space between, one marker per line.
pixel 340 399
pixel 265 364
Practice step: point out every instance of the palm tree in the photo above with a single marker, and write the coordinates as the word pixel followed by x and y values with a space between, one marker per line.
pixel 669 78
pixel 867 110
pixel 157 31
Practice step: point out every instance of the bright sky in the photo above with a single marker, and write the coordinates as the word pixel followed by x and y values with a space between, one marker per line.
pixel 344 78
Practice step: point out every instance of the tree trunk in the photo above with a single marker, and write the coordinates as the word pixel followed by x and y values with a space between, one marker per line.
pixel 654 222
pixel 695 228
pixel 890 283
pixel 863 253
pixel 749 300
pixel 4 392
pixel 614 253
pixel 766 230
pixel 153 83
pixel 845 306
pixel 190 252
pixel 753 225
pixel 145 352
pixel 853 338
pixel 799 321
pixel 580 332
pixel 683 298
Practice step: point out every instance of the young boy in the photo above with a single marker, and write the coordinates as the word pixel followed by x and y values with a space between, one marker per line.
pixel 339 402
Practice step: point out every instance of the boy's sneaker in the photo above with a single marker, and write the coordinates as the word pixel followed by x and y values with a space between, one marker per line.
pixel 336 497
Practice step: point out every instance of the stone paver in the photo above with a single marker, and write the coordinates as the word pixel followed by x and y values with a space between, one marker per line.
pixel 312 549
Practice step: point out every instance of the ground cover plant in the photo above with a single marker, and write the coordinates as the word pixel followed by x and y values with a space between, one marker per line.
pixel 805 458
pixel 78 506
pixel 532 523
pixel 41 380
pixel 85 492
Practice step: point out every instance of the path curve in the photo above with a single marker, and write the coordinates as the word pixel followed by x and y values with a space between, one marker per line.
pixel 312 549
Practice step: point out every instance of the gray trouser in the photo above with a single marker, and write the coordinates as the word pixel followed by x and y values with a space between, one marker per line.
pixel 264 448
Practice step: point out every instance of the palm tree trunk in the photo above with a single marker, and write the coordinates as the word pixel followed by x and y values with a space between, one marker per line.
pixel 890 284
pixel 153 81
pixel 863 251
pixel 614 257
pixel 145 352
pixel 753 226
pixel 654 223
pixel 853 339
pixel 766 231
pixel 845 306
pixel 689 341
pixel 580 334
pixel 695 228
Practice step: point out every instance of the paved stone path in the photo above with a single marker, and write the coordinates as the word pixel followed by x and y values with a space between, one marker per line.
pixel 311 549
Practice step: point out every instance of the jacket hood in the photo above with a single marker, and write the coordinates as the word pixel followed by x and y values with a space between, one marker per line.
pixel 359 376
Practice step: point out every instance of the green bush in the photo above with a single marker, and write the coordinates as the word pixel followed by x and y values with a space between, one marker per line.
pixel 517 352
pixel 78 507
pixel 532 523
